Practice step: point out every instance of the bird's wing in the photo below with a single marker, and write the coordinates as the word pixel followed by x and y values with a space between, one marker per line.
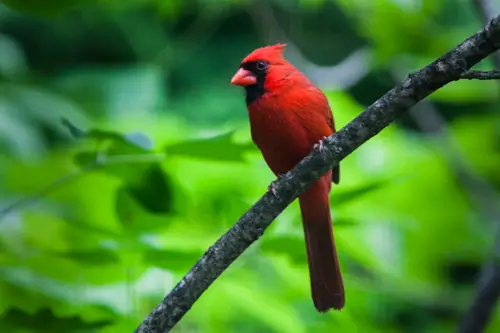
pixel 331 123
pixel 317 105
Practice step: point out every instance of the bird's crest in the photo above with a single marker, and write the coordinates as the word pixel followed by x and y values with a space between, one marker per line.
pixel 271 53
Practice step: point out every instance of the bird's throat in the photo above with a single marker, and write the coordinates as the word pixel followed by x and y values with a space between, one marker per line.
pixel 254 92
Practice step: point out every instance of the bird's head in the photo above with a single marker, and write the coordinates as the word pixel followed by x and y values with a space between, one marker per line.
pixel 258 64
pixel 263 63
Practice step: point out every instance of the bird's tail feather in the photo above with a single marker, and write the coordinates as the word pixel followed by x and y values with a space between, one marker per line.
pixel 326 280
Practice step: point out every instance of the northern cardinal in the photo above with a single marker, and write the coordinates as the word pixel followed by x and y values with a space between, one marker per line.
pixel 288 117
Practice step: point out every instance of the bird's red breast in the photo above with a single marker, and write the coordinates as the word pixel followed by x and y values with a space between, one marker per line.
pixel 288 114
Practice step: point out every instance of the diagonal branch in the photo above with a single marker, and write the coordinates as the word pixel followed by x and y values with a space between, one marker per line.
pixel 374 119
pixel 486 9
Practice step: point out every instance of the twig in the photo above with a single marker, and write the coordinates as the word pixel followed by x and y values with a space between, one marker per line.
pixel 100 161
pixel 487 293
pixel 375 118
pixel 481 75
pixel 428 119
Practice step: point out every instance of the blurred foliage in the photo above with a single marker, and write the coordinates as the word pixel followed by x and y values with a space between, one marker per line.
pixel 131 154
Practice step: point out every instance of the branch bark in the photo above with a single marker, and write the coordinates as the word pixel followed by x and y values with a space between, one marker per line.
pixel 487 292
pixel 481 75
pixel 374 119
pixel 486 9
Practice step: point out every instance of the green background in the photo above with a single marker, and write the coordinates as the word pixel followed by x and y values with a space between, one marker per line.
pixel 148 81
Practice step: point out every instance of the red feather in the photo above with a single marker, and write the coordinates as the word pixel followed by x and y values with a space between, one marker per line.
pixel 287 119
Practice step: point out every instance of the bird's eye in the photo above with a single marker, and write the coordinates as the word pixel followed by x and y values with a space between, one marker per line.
pixel 261 66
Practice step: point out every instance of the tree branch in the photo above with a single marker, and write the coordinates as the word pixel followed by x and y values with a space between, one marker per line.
pixel 487 292
pixel 486 9
pixel 481 75
pixel 375 118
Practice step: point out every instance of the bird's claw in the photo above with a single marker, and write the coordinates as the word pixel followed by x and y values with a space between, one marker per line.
pixel 272 187
pixel 321 144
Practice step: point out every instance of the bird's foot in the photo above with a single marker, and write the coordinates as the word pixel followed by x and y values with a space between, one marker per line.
pixel 272 187
pixel 321 144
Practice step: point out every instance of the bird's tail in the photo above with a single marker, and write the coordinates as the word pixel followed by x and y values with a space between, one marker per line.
pixel 326 280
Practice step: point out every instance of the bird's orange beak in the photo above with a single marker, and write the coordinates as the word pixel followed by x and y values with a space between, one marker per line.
pixel 243 78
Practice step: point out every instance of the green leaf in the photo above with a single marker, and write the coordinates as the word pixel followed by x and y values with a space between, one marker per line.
pixel 45 321
pixel 134 142
pixel 118 142
pixel 45 8
pixel 131 170
pixel 172 260
pixel 466 91
pixel 3 246
pixel 344 222
pixel 91 257
pixel 153 190
pixel 145 180
pixel 293 246
pixel 73 130
pixel 139 139
pixel 276 313
pixel 346 196
pixel 134 216
pixel 220 148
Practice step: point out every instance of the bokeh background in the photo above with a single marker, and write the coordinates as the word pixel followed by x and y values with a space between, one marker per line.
pixel 125 153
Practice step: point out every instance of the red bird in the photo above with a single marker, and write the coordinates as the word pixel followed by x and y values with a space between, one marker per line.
pixel 288 117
